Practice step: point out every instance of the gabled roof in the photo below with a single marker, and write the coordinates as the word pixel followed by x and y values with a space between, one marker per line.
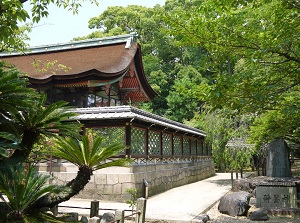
pixel 133 114
pixel 100 61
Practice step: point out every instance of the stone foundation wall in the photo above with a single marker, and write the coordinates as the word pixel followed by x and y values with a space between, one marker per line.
pixel 111 183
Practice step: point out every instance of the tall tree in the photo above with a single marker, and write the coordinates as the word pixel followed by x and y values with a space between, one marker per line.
pixel 186 95
pixel 12 12
pixel 161 53
pixel 257 41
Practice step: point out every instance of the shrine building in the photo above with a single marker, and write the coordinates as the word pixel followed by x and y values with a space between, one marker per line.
pixel 104 79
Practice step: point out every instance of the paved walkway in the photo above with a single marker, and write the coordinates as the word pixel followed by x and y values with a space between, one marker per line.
pixel 181 204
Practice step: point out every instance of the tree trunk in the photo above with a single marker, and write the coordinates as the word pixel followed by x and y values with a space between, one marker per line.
pixel 76 185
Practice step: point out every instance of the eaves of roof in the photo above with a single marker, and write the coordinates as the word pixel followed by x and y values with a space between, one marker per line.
pixel 128 112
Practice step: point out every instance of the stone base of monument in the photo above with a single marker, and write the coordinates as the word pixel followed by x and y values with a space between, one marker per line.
pixel 276 194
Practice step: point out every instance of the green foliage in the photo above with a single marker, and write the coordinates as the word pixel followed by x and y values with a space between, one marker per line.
pixel 161 54
pixel 22 186
pixel 218 125
pixel 36 121
pixel 12 36
pixel 253 54
pixel 187 94
pixel 133 197
pixel 89 152
pixel 14 94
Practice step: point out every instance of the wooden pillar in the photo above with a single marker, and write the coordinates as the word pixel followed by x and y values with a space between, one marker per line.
pixel 147 142
pixel 128 138
pixel 161 143
pixel 94 209
pixel 172 144
pixel 141 209
pixel 181 143
pixel 190 146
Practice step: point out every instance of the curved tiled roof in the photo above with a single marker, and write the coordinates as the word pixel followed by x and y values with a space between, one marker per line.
pixel 105 59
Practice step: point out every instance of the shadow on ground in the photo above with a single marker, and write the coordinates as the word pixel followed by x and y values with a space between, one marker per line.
pixel 221 182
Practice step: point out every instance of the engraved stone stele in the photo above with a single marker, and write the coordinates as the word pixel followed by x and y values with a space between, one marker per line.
pixel 276 195
pixel 278 164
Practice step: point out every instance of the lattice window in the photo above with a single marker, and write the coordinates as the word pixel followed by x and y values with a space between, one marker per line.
pixel 138 138
pixel 204 149
pixel 110 135
pixel 167 144
pixel 154 143
pixel 193 147
pixel 199 147
pixel 177 145
pixel 208 150
pixel 186 146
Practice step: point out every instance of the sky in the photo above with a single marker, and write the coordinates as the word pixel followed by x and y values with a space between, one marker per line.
pixel 62 26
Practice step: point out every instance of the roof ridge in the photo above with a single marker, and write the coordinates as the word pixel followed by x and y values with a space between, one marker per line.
pixel 128 38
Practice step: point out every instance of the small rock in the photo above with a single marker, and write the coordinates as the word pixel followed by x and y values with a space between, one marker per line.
pixel 201 218
pixel 235 204
pixel 107 217
pixel 84 219
pixel 94 220
pixel 259 215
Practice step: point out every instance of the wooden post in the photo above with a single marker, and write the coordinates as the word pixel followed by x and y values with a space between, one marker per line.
pixel 120 216
pixel 128 139
pixel 94 209
pixel 141 207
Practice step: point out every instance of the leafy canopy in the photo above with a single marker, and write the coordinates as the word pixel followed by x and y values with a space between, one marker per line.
pixel 13 13
pixel 253 50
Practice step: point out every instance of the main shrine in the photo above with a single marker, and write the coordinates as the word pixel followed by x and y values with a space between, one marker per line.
pixel 104 78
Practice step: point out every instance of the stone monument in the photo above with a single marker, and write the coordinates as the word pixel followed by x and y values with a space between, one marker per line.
pixel 278 164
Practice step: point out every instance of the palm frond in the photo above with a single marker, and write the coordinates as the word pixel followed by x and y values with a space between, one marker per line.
pixel 23 186
pixel 86 153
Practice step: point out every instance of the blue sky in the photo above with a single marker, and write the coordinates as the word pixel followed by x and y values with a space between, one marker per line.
pixel 61 25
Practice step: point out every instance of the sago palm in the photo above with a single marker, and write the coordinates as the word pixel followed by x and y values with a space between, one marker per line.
pixel 15 96
pixel 42 120
pixel 88 154
pixel 22 186
pixel 14 93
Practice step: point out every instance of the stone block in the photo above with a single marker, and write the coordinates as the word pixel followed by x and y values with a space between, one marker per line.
pixel 100 178
pixel 113 169
pixel 112 179
pixel 276 197
pixel 100 188
pixel 125 178
pixel 117 189
pixel 70 176
pixel 126 186
pixel 137 168
pixel 108 189
pixel 151 168
pixel 138 177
